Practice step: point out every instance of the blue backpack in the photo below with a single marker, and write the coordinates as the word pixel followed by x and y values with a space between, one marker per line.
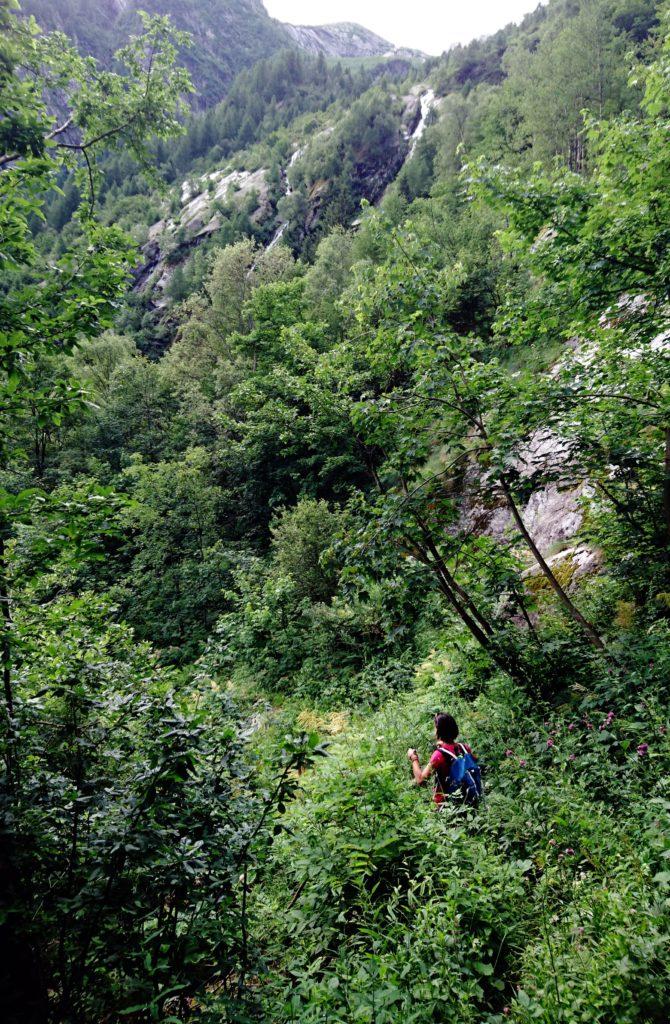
pixel 465 775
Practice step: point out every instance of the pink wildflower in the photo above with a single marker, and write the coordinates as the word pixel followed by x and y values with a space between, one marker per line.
pixel 643 749
pixel 550 743
pixel 509 753
pixel 522 763
pixel 571 727
pixel 569 852
pixel 572 757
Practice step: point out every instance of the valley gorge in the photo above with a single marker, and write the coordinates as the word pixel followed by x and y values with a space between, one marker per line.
pixel 335 466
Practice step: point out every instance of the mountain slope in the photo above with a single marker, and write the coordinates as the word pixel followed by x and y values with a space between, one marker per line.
pixel 352 156
pixel 228 35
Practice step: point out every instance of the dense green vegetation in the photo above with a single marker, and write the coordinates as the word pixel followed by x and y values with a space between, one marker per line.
pixel 228 35
pixel 261 102
pixel 369 473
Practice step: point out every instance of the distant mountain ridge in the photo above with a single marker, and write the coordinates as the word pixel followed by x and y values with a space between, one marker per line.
pixel 228 35
pixel 345 39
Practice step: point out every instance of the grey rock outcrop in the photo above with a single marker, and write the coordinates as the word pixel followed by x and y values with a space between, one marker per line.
pixel 553 513
pixel 346 39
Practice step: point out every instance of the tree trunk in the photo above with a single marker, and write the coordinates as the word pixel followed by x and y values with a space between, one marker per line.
pixel 572 610
pixel 483 634
pixel 451 581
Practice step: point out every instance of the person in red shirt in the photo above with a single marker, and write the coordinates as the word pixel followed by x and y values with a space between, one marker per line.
pixel 446 734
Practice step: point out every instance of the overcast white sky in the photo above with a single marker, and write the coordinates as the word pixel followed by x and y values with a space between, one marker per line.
pixel 428 25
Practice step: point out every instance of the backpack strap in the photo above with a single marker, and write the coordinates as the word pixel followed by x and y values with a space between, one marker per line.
pixel 438 780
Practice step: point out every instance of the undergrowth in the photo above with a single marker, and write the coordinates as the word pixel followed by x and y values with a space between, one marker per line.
pixel 550 902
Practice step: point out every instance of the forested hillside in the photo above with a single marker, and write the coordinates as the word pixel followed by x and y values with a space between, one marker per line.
pixel 226 36
pixel 335 405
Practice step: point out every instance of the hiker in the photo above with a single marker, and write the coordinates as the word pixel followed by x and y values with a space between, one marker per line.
pixel 453 764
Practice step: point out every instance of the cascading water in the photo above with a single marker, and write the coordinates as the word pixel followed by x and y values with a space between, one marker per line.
pixel 287 192
pixel 427 101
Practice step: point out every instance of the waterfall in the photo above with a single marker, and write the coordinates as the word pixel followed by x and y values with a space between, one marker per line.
pixel 277 235
pixel 427 101
pixel 287 192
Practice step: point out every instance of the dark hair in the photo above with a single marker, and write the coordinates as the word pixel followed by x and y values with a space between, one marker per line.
pixel 446 728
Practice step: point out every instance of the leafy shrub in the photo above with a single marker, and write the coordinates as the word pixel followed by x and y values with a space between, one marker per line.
pixel 547 900
pixel 129 810
pixel 340 653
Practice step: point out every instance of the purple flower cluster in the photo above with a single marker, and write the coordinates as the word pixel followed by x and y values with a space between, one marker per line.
pixel 608 721
pixel 642 749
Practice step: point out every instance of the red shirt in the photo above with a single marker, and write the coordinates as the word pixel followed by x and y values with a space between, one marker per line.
pixel 442 767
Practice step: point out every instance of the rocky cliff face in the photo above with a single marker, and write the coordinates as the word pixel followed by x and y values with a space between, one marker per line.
pixel 553 513
pixel 204 201
pixel 343 39
pixel 347 39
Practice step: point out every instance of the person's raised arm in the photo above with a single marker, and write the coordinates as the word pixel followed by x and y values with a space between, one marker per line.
pixel 420 774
